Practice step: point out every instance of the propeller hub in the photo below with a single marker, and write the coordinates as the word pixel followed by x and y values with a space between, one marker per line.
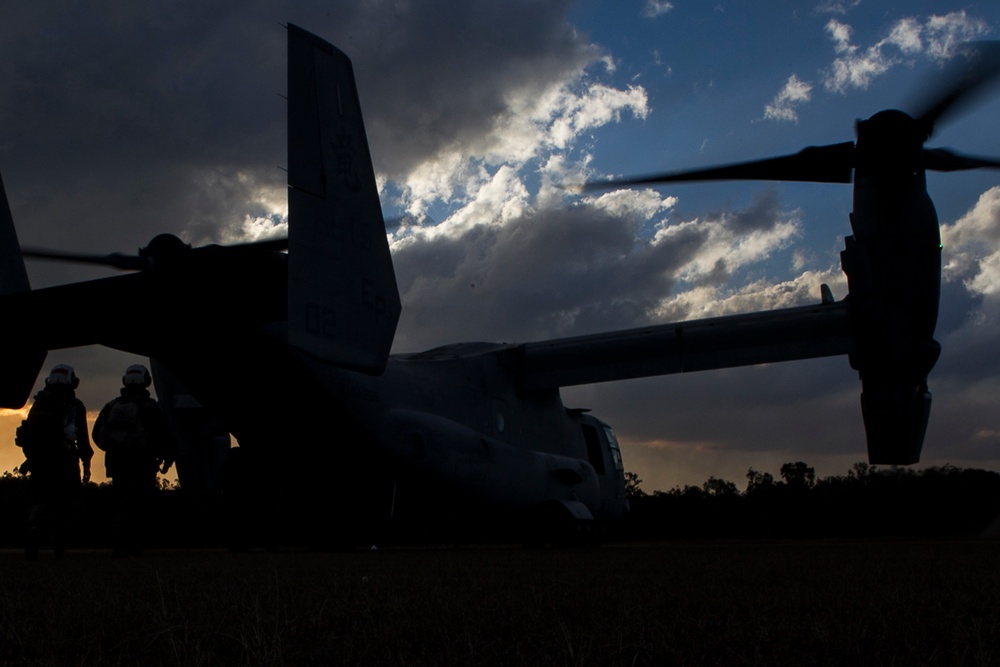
pixel 164 247
pixel 890 142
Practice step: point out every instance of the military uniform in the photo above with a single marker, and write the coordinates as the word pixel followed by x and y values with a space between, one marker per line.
pixel 55 443
pixel 137 442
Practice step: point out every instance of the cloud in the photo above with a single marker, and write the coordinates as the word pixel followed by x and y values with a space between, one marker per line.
pixel 582 267
pixel 656 8
pixel 732 419
pixel 936 37
pixel 125 120
pixel 424 94
pixel 121 122
pixel 837 6
pixel 855 67
pixel 731 239
pixel 810 408
pixel 548 272
pixel 943 34
pixel 783 106
pixel 972 246
pixel 102 105
pixel 969 325
pixel 713 301
pixel 531 127
pixel 647 204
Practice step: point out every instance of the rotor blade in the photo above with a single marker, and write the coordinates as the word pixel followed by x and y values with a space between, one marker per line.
pixel 942 159
pixel 970 74
pixel 275 245
pixel 141 263
pixel 820 164
pixel 116 260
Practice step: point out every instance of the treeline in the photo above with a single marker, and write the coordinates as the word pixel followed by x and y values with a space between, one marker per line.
pixel 867 502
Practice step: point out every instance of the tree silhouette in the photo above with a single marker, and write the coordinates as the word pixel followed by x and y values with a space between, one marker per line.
pixel 758 481
pixel 632 486
pixel 720 487
pixel 862 472
pixel 798 475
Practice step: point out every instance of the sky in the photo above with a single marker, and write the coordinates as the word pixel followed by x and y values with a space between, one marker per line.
pixel 119 121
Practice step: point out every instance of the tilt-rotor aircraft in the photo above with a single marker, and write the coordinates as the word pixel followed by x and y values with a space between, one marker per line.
pixel 290 351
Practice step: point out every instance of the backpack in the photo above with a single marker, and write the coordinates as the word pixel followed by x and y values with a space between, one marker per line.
pixel 123 430
pixel 44 429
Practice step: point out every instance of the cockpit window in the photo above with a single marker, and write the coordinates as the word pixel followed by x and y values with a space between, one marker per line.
pixel 594 453
pixel 616 452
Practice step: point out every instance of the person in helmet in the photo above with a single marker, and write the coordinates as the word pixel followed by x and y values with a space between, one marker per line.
pixel 137 442
pixel 55 443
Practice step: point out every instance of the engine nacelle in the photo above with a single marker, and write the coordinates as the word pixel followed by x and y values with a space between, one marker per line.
pixel 895 420
pixel 893 267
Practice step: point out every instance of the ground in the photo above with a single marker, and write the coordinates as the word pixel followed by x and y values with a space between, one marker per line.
pixel 803 602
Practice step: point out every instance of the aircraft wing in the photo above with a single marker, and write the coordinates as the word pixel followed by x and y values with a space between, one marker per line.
pixel 215 295
pixel 788 334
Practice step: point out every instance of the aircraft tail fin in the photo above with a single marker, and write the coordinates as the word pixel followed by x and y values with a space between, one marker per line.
pixel 343 302
pixel 19 364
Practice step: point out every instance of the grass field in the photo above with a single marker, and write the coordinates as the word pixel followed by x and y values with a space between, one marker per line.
pixel 790 603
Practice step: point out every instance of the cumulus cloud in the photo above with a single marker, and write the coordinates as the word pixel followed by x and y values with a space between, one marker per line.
pixel 127 120
pixel 713 301
pixel 532 127
pixel 164 109
pixel 970 319
pixel 585 267
pixel 121 122
pixel 647 204
pixel 972 246
pixel 549 272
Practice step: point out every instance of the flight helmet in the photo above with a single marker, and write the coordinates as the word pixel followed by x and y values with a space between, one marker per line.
pixel 62 374
pixel 137 375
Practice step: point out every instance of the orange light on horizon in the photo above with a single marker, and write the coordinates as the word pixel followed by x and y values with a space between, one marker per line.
pixel 11 456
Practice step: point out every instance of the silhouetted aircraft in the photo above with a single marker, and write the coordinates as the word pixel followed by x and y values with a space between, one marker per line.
pixel 291 351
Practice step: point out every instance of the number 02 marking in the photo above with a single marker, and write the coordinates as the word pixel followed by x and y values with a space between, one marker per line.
pixel 321 321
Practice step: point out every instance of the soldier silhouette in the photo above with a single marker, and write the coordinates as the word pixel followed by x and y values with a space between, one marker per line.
pixel 54 440
pixel 137 442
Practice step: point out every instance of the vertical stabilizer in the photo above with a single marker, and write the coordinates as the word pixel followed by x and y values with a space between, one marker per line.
pixel 19 365
pixel 343 303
